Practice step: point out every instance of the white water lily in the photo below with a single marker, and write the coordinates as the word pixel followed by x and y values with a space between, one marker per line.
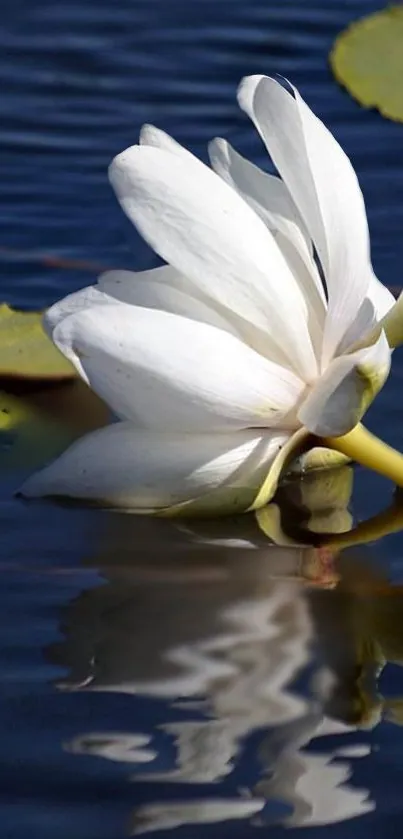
pixel 213 361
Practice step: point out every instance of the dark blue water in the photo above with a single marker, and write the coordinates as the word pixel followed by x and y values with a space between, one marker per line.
pixel 193 682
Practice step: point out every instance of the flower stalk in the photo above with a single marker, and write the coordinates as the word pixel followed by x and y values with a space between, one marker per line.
pixel 365 448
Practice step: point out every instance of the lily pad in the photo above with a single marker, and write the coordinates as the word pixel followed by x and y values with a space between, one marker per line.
pixel 26 352
pixel 367 59
pixel 37 426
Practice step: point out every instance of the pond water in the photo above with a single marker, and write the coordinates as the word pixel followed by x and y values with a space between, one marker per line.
pixel 186 680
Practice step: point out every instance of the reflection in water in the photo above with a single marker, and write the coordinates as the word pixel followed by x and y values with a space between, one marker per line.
pixel 253 644
pixel 125 748
pixel 167 815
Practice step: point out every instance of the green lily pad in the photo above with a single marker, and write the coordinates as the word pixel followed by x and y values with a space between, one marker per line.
pixel 367 59
pixel 26 352
pixel 37 426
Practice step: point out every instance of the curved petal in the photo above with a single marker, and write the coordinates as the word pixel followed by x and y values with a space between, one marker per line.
pixel 270 199
pixel 167 372
pixel 198 224
pixel 162 288
pixel 121 466
pixel 323 184
pixel 150 135
pixel 360 332
pixel 267 194
pixel 381 298
pixel 367 325
pixel 85 298
pixel 391 323
pixel 78 301
pixel 343 394
pixel 166 289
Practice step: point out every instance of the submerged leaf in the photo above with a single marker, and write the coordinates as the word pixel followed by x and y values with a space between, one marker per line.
pixel 26 352
pixel 367 58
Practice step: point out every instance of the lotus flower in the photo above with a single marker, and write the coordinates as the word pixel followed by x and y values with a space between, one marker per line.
pixel 266 326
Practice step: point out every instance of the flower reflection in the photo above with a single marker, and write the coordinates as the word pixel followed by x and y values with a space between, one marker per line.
pixel 242 636
pixel 168 815
pixel 315 785
pixel 114 746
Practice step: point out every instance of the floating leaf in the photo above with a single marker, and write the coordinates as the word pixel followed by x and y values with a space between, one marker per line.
pixel 367 58
pixel 26 352
pixel 38 426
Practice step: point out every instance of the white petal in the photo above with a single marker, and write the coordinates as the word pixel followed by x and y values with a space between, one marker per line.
pixel 167 372
pixel 317 307
pixel 180 285
pixel 270 199
pixel 378 302
pixel 122 466
pixel 362 326
pixel 166 289
pixel 266 193
pixel 246 94
pixel 381 297
pixel 75 302
pixel 85 298
pixel 150 135
pixel 162 288
pixel 325 189
pixel 195 222
pixel 344 392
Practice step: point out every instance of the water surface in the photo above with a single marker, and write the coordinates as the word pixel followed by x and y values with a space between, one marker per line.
pixel 191 682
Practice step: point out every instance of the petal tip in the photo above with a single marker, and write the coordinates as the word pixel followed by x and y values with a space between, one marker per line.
pixel 120 163
pixel 33 487
pixel 147 132
pixel 218 150
pixel 246 91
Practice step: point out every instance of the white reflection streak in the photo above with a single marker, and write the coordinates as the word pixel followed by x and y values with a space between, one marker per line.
pixel 313 784
pixel 244 675
pixel 124 748
pixel 240 676
pixel 168 815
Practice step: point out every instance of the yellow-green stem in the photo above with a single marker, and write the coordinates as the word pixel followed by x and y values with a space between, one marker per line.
pixel 363 447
